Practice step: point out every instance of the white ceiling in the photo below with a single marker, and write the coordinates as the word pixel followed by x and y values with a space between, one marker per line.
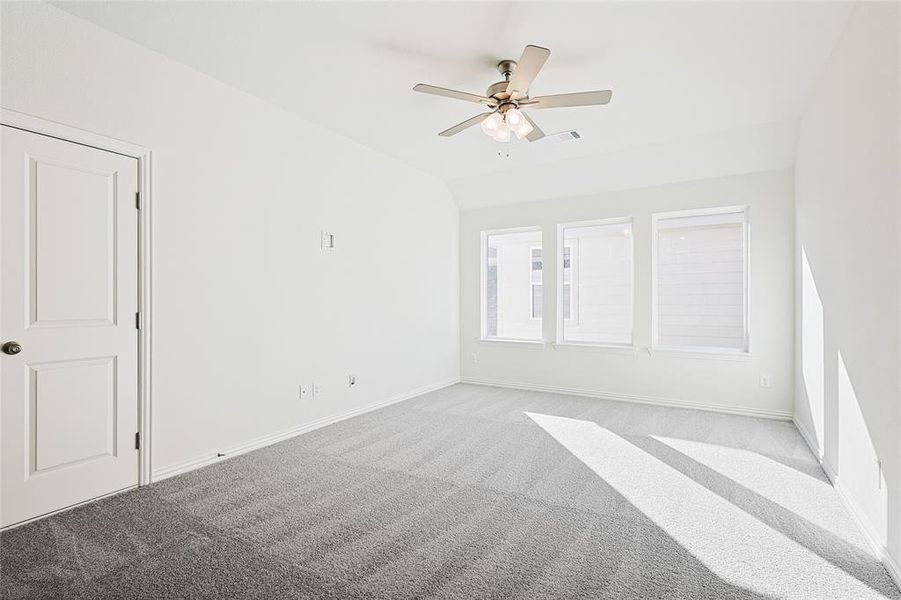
pixel 737 151
pixel 678 70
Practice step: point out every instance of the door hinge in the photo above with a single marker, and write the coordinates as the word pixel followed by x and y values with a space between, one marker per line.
pixel 138 321
pixel 138 200
pixel 138 441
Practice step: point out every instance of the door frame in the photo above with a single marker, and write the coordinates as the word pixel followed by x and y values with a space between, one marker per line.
pixel 143 155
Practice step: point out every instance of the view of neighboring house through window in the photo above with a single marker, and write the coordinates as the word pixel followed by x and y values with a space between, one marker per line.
pixel 569 283
pixel 491 292
pixel 701 281
pixel 535 278
pixel 536 274
pixel 595 282
pixel 511 272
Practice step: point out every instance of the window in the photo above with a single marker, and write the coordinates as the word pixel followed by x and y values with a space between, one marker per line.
pixel 701 280
pixel 595 282
pixel 512 284
pixel 536 269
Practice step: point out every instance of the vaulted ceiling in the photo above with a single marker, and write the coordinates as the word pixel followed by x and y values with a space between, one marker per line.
pixel 678 70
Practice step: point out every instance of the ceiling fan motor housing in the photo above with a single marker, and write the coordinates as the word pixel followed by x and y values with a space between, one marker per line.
pixel 498 90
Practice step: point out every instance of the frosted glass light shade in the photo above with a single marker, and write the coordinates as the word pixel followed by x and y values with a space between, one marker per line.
pixel 492 123
pixel 514 118
pixel 502 134
pixel 524 129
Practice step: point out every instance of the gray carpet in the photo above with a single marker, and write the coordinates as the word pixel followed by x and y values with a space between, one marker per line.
pixel 472 492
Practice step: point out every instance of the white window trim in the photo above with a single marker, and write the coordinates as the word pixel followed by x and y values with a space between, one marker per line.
pixel 483 283
pixel 514 342
pixel 700 352
pixel 746 241
pixel 561 228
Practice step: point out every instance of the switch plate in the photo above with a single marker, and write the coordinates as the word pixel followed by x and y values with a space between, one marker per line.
pixel 351 380
pixel 328 240
pixel 317 389
pixel 765 381
pixel 303 391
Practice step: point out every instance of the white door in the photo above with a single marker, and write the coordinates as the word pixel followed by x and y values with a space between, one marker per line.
pixel 69 407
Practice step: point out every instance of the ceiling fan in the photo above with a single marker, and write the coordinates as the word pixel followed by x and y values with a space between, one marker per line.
pixel 507 98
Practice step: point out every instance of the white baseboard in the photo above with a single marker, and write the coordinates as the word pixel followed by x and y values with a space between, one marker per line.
pixel 868 531
pixel 811 442
pixel 202 461
pixel 892 566
pixel 863 523
pixel 672 402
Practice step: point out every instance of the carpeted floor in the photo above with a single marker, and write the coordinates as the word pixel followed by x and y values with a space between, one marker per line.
pixel 473 492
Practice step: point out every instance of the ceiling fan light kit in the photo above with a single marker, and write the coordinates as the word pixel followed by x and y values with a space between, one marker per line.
pixel 500 125
pixel 492 123
pixel 506 98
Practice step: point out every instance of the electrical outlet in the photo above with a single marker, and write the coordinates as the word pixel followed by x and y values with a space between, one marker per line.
pixel 351 380
pixel 765 381
pixel 475 358
pixel 304 391
pixel 317 389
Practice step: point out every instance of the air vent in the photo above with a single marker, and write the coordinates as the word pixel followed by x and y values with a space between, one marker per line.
pixel 566 136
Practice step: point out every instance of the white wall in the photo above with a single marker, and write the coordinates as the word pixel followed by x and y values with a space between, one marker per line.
pixel 246 306
pixel 847 193
pixel 731 384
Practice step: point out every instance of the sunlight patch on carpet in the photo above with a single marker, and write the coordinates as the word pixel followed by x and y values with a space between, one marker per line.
pixel 739 548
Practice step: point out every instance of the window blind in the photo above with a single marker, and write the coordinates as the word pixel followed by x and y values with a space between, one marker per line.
pixel 701 281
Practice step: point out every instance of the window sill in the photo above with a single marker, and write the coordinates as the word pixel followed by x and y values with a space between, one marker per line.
pixel 514 342
pixel 710 354
pixel 589 347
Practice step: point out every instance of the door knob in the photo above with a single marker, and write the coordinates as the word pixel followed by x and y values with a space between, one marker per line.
pixel 12 348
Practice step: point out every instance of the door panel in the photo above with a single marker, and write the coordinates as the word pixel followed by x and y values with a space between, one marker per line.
pixel 65 432
pixel 73 245
pixel 69 406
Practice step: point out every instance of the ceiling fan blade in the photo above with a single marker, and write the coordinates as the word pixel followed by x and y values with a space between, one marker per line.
pixel 465 124
pixel 531 61
pixel 536 133
pixel 576 99
pixel 440 91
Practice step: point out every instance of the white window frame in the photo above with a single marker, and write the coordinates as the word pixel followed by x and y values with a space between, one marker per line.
pixel 561 230
pixel 746 241
pixel 483 284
